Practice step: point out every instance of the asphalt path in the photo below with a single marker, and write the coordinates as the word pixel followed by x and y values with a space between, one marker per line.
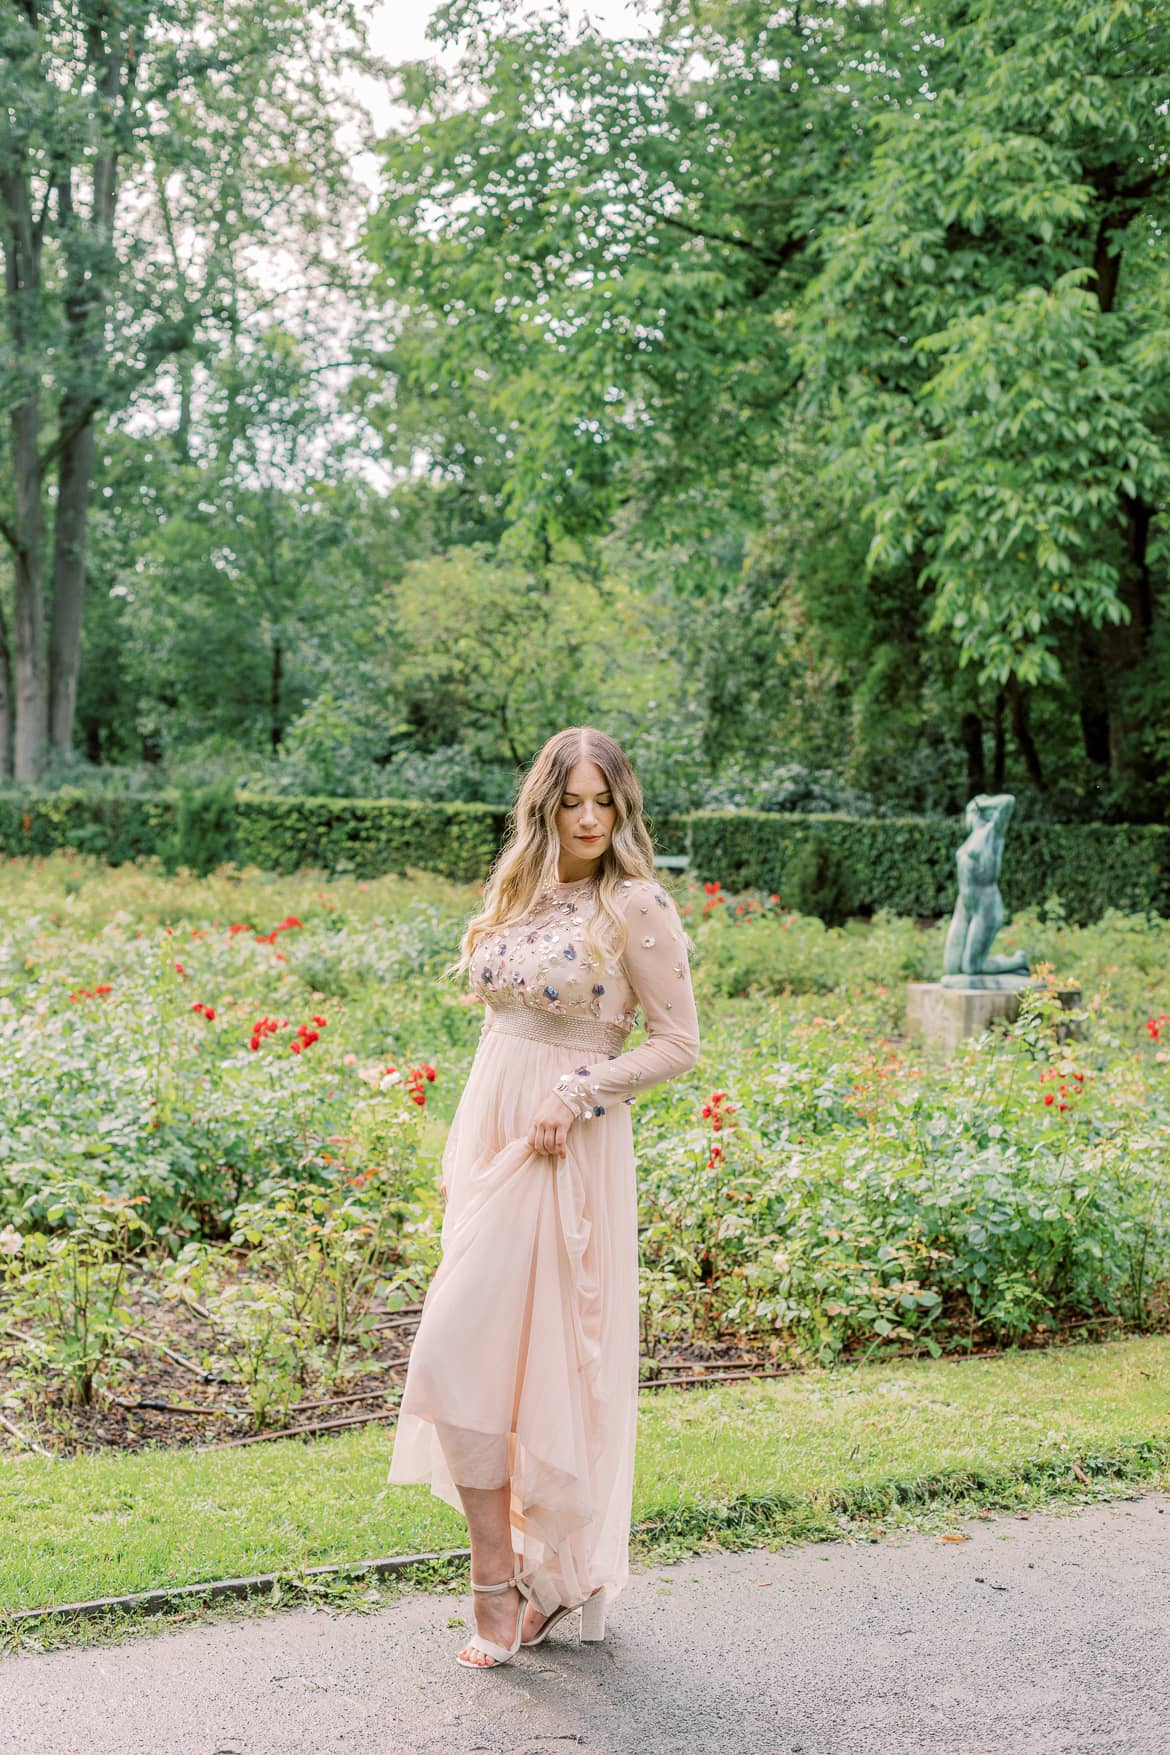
pixel 1048 1635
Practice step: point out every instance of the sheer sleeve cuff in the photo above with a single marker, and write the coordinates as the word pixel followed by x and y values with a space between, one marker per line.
pixel 578 1090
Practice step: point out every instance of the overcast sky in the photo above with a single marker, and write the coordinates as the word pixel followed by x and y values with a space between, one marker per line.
pixel 398 27
pixel 397 32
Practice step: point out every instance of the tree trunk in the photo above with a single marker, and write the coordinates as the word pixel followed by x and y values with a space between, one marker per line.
pixel 75 472
pixel 999 755
pixel 971 732
pixel 1022 733
pixel 28 737
pixel 182 436
pixel 5 700
pixel 1088 678
pixel 30 740
pixel 1124 646
pixel 89 273
pixel 275 730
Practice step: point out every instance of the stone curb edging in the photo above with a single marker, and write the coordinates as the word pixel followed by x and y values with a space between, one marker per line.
pixel 1118 1464
pixel 153 1602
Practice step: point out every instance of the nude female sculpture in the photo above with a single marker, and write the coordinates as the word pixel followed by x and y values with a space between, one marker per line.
pixel 979 911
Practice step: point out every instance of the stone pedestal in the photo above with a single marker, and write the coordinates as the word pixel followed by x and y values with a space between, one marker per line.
pixel 945 1015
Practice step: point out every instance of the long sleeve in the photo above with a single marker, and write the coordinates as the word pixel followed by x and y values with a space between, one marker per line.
pixel 656 965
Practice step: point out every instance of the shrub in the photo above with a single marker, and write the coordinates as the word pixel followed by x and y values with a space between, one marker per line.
pixel 205 829
pixel 66 1288
pixel 820 882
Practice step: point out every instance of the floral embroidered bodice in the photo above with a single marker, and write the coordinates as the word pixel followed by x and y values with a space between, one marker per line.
pixel 541 964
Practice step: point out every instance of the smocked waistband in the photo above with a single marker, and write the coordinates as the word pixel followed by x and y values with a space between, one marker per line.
pixel 544 1026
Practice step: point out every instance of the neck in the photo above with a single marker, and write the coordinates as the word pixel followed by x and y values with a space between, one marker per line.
pixel 571 871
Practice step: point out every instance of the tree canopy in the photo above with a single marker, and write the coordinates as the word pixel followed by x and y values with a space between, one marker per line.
pixel 815 352
pixel 915 253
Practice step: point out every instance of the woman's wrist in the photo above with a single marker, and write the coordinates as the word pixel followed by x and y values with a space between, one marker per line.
pixel 578 1095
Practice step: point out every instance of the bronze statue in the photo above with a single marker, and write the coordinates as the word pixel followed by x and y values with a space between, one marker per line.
pixel 979 911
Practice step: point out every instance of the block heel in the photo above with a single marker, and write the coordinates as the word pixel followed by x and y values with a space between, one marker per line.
pixel 593 1616
pixel 592 1612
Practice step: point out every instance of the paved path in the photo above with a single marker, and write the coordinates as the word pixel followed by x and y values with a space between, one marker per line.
pixel 1045 1636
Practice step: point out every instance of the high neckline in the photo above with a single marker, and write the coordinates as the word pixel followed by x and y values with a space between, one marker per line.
pixel 559 886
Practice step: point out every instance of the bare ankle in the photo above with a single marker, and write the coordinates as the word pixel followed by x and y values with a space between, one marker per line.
pixel 492 1569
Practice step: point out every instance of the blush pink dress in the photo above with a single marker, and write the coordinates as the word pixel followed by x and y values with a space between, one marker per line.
pixel 524 1371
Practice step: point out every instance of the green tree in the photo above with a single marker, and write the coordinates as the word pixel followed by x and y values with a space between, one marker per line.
pixel 231 589
pixel 609 237
pixel 145 148
pixel 845 279
pixel 984 348
pixel 483 649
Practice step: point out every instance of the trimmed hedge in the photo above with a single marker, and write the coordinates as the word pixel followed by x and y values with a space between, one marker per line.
pixel 111 827
pixel 370 836
pixel 365 837
pixel 906 864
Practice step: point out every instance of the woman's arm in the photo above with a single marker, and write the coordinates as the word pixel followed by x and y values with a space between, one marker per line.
pixel 656 963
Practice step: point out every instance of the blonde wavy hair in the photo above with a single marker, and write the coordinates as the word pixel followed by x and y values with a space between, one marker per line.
pixel 527 862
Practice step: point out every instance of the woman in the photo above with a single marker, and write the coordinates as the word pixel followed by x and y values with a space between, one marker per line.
pixel 520 1403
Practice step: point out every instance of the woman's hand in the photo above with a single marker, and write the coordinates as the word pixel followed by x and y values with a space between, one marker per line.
pixel 550 1126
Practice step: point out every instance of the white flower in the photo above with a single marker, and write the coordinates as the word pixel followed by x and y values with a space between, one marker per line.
pixel 11 1242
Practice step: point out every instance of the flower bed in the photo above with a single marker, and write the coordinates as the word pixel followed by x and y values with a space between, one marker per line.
pixel 223 1097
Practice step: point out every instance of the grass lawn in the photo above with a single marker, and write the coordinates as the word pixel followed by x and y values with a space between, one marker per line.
pixel 856 1451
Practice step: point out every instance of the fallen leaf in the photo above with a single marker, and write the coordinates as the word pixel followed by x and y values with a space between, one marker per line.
pixel 952 1538
pixel 1080 1474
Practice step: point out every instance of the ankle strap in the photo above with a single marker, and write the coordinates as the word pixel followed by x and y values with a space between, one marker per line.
pixel 508 1584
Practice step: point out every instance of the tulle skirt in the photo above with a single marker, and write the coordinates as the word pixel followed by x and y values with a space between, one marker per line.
pixel 524 1370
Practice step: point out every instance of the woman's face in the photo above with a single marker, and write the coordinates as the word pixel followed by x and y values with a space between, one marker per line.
pixel 585 817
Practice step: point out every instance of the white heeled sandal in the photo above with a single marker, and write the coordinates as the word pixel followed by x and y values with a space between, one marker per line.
pixel 499 1654
pixel 592 1618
